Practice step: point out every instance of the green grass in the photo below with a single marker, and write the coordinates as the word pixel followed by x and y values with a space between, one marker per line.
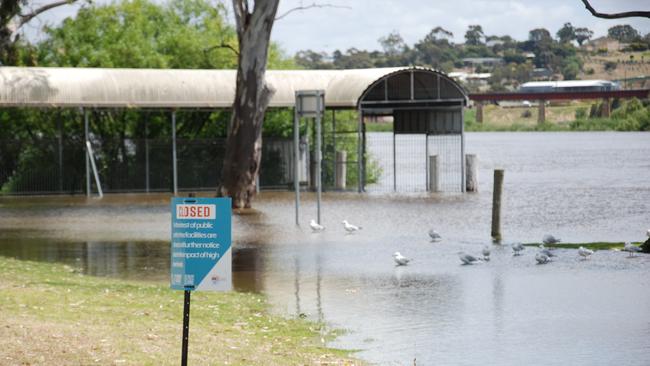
pixel 51 314
pixel 592 246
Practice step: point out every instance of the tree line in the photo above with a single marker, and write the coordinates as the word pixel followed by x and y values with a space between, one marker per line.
pixel 557 53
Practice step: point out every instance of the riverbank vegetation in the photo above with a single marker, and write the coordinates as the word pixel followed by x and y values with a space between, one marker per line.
pixel 592 246
pixel 53 315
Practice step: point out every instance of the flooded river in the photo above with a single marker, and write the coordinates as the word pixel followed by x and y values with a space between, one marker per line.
pixel 508 311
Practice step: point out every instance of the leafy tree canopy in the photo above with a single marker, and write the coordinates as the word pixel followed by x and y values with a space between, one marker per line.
pixel 623 33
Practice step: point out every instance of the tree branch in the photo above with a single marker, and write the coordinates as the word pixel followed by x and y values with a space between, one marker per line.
pixel 223 45
pixel 27 17
pixel 627 14
pixel 314 5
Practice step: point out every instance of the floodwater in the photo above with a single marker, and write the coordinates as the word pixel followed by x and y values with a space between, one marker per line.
pixel 508 311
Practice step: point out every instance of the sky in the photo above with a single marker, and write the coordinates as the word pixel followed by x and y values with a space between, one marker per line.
pixel 360 23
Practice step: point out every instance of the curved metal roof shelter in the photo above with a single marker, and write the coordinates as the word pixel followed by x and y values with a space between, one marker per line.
pixel 380 88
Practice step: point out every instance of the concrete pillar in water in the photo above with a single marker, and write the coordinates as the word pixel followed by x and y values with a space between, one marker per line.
pixel 341 169
pixel 479 112
pixel 471 180
pixel 496 204
pixel 606 107
pixel 434 185
pixel 541 112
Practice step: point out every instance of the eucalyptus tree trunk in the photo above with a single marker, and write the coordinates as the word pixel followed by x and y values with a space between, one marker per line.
pixel 241 163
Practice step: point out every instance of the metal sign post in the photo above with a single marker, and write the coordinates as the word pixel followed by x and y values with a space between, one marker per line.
pixel 201 254
pixel 309 103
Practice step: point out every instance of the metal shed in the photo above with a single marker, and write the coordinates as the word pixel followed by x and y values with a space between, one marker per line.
pixel 420 100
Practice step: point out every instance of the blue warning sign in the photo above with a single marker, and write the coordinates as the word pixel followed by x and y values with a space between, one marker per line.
pixel 201 256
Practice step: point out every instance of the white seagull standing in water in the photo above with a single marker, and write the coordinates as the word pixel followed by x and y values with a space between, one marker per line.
pixel 584 252
pixel 550 239
pixel 315 227
pixel 517 247
pixel 631 249
pixel 549 253
pixel 542 258
pixel 349 227
pixel 467 258
pixel 486 253
pixel 434 235
pixel 400 259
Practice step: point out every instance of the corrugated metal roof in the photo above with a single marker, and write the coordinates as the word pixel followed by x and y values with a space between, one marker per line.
pixel 166 88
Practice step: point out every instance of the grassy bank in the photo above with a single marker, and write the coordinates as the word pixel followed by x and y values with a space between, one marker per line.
pixel 52 315
pixel 592 246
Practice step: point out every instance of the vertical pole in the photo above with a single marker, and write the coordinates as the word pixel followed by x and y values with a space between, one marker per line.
pixel 606 108
pixel 394 164
pixel 426 160
pixel 463 166
pixel 359 152
pixel 363 156
pixel 186 327
pixel 479 112
pixel 146 153
pixel 86 136
pixel 434 174
pixel 174 167
pixel 334 167
pixel 60 125
pixel 496 204
pixel 541 111
pixel 319 155
pixel 471 166
pixel 296 162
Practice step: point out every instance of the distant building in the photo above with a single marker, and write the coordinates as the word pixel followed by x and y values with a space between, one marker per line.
pixel 541 73
pixel 487 62
pixel 478 81
pixel 529 56
pixel 603 43
pixel 568 85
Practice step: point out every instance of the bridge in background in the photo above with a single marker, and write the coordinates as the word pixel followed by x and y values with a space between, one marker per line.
pixel 606 95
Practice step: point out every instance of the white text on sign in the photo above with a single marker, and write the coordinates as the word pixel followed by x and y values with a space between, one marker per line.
pixel 196 212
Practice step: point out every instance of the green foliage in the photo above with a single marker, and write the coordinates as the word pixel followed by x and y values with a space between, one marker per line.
pixel 141 34
pixel 567 33
pixel 623 33
pixel 610 65
pixel 474 35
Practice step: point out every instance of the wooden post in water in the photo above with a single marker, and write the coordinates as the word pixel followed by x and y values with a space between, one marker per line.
pixel 471 179
pixel 433 174
pixel 341 169
pixel 496 204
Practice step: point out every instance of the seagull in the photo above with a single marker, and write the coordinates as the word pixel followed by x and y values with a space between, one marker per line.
pixel 550 239
pixel 631 249
pixel 400 259
pixel 648 233
pixel 486 253
pixel 542 258
pixel 584 252
pixel 517 247
pixel 349 227
pixel 467 258
pixel 315 227
pixel 549 253
pixel 434 235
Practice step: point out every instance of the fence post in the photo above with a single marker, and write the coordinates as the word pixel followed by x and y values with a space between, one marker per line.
pixel 496 204
pixel 433 174
pixel 471 181
pixel 341 169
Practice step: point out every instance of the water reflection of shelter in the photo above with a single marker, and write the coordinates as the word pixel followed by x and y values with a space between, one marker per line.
pixel 419 100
